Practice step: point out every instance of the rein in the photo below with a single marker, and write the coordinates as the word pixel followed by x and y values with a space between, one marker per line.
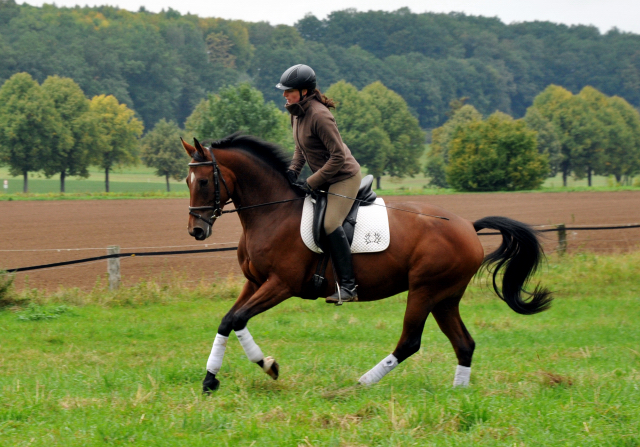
pixel 217 208
pixel 385 206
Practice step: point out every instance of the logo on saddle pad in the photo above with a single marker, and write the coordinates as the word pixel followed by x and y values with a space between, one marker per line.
pixel 371 232
pixel 374 238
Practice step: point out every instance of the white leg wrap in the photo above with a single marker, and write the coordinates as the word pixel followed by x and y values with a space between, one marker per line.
pixel 380 370
pixel 463 373
pixel 250 347
pixel 217 353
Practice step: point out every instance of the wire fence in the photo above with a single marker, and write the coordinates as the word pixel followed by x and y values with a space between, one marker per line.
pixel 566 236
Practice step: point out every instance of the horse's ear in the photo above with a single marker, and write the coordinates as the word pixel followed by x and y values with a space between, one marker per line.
pixel 199 148
pixel 187 147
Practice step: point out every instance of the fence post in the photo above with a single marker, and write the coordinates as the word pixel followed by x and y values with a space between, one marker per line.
pixel 113 267
pixel 562 238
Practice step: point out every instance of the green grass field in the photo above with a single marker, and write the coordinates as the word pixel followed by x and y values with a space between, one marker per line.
pixel 126 369
pixel 135 179
pixel 141 182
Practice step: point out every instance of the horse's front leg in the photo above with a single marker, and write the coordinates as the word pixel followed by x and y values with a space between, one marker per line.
pixel 252 301
pixel 220 343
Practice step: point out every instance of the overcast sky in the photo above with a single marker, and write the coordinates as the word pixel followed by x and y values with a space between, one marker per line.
pixel 623 14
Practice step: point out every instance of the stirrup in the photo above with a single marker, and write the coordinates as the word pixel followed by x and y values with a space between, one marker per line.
pixel 339 300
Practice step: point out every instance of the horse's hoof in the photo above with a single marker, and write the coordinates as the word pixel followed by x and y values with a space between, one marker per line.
pixel 271 367
pixel 210 383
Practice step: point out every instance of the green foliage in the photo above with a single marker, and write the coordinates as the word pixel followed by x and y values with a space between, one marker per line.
pixel 434 169
pixel 441 138
pixel 596 134
pixel 6 289
pixel 162 65
pixel 70 156
pixel 548 141
pixel 406 137
pixel 379 129
pixel 361 127
pixel 498 154
pixel 239 109
pixel 161 150
pixel 623 155
pixel 36 312
pixel 119 131
pixel 30 126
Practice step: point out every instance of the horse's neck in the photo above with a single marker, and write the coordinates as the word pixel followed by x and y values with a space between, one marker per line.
pixel 255 185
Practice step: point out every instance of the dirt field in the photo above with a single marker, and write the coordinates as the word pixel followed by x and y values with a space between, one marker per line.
pixel 33 233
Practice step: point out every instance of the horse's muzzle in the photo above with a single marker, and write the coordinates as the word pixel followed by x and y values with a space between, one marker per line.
pixel 200 233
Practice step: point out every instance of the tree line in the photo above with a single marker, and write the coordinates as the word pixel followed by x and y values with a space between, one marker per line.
pixel 580 135
pixel 54 128
pixel 162 65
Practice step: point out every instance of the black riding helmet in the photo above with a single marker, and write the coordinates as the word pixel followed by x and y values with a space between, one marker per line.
pixel 298 77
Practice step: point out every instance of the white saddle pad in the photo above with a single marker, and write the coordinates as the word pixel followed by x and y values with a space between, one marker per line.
pixel 371 231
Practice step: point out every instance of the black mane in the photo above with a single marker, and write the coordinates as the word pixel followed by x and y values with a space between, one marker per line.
pixel 272 154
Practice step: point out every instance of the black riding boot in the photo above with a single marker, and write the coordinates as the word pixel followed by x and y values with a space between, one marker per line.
pixel 340 252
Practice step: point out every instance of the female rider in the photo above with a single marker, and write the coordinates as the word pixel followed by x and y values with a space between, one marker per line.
pixel 318 143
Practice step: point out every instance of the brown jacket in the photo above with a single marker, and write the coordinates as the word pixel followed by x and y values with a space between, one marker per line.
pixel 318 142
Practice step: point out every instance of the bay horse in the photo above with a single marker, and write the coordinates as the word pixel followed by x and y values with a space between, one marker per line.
pixel 434 259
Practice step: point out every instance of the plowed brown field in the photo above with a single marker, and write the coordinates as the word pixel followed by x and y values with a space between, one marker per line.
pixel 35 232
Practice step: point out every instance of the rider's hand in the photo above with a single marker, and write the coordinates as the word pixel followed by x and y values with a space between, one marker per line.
pixel 304 186
pixel 292 176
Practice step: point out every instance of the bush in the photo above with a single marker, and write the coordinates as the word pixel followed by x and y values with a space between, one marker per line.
pixel 498 154
pixel 6 290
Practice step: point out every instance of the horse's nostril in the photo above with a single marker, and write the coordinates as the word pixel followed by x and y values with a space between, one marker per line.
pixel 198 233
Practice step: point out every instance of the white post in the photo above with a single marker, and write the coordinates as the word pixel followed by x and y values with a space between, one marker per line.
pixel 113 267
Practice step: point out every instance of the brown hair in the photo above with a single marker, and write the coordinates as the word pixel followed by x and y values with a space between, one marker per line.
pixel 324 100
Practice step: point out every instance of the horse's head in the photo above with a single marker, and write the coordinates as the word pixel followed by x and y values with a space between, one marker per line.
pixel 203 180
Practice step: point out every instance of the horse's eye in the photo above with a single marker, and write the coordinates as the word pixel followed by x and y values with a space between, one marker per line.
pixel 204 182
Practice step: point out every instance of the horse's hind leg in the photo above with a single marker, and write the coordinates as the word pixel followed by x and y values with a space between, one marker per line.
pixel 414 319
pixel 447 315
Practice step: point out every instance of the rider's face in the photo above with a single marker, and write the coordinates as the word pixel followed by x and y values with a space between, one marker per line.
pixel 293 95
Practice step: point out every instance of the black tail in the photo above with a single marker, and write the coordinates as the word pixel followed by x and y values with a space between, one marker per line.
pixel 520 254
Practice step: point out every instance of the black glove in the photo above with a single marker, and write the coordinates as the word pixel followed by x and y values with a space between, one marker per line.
pixel 304 186
pixel 292 176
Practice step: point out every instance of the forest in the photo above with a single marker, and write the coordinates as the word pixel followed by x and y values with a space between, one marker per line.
pixel 162 65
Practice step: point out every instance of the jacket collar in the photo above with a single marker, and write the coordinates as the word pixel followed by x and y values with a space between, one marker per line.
pixel 301 107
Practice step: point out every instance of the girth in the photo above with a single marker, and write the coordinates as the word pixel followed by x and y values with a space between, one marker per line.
pixel 365 197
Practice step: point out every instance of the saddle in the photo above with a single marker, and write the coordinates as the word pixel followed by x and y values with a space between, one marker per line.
pixel 365 197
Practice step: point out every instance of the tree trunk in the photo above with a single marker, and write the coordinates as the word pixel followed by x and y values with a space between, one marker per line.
pixel 168 188
pixel 377 182
pixel 564 178
pixel 589 176
pixel 618 178
pixel 25 184
pixel 62 176
pixel 106 179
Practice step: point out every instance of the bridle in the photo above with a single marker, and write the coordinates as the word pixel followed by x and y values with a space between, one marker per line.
pixel 217 207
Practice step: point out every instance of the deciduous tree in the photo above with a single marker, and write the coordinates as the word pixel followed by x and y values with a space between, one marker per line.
pixel 361 127
pixel 30 126
pixel 441 137
pixel 70 156
pixel 406 138
pixel 119 132
pixel 161 150
pixel 239 109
